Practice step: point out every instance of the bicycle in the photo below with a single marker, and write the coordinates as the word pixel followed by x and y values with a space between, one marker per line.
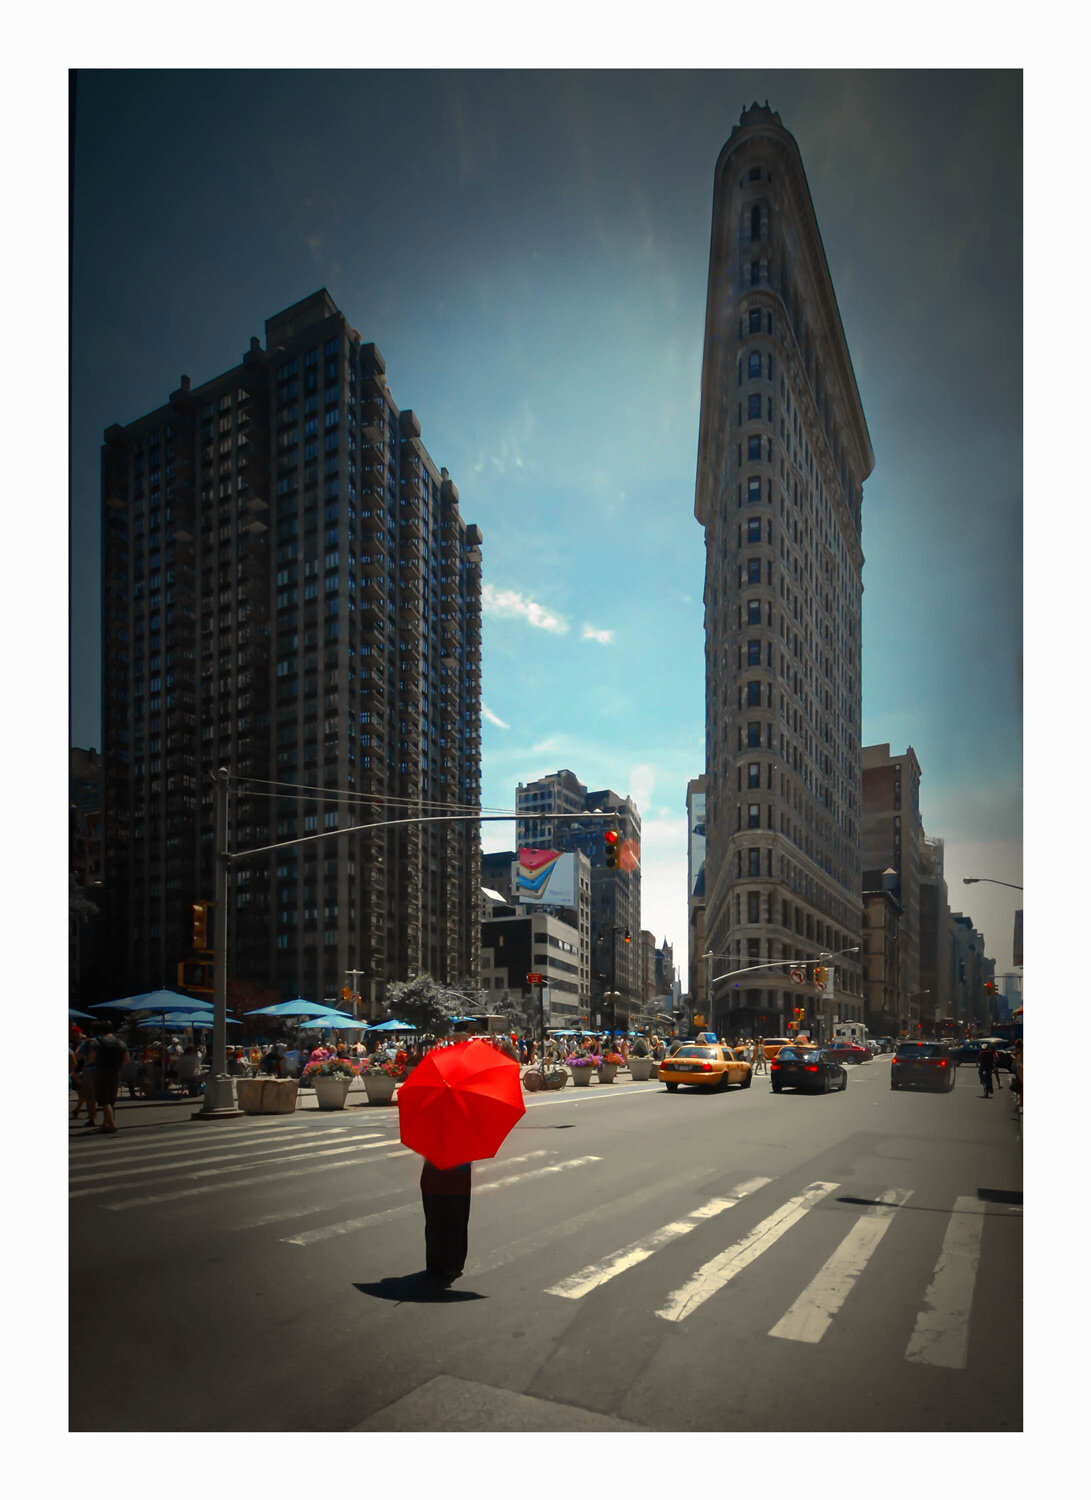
pixel 545 1076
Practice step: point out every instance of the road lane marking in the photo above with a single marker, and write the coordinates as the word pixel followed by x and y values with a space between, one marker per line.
pixel 716 1273
pixel 238 1152
pixel 942 1332
pixel 349 1226
pixel 285 1215
pixel 582 1282
pixel 816 1306
pixel 249 1182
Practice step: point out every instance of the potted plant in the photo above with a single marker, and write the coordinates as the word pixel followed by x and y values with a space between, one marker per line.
pixel 331 1077
pixel 609 1065
pixel 641 1062
pixel 582 1065
pixel 381 1077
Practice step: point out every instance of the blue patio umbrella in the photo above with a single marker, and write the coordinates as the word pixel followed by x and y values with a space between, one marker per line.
pixel 304 1008
pixel 392 1026
pixel 156 1000
pixel 334 1023
pixel 185 1018
pixel 79 1015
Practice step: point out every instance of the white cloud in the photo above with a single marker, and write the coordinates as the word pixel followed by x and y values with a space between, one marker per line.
pixel 591 634
pixel 493 719
pixel 508 604
pixel 641 782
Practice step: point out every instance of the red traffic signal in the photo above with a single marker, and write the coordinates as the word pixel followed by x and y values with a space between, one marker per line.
pixel 612 841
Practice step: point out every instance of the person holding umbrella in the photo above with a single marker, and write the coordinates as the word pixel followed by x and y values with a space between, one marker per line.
pixel 456 1107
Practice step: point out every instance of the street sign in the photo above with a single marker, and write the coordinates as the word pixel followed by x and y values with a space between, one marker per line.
pixel 534 979
pixel 797 976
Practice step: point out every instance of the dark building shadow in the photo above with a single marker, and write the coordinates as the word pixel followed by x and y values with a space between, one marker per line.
pixel 418 1286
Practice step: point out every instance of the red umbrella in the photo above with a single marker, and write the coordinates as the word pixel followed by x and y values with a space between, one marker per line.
pixel 460 1103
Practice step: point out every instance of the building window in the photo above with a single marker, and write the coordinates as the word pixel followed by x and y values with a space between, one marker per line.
pixel 755 320
pixel 753 774
pixel 753 611
pixel 753 366
pixel 753 448
pixel 753 653
pixel 755 273
pixel 753 694
pixel 753 570
pixel 753 818
pixel 753 407
pixel 753 861
pixel 753 906
pixel 753 529
pixel 753 735
pixel 753 490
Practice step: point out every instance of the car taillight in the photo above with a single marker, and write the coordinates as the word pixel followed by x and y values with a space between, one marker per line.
pixel 940 1061
pixel 706 1067
pixel 810 1067
pixel 774 1065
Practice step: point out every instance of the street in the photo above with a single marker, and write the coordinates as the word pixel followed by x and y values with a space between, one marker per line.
pixel 638 1261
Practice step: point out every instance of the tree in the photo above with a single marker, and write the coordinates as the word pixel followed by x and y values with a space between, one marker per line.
pixel 521 1010
pixel 425 1004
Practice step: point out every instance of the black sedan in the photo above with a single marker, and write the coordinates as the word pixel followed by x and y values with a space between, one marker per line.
pixel 811 1070
pixel 922 1065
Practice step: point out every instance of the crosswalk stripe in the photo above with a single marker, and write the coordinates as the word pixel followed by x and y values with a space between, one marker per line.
pixel 582 1282
pixel 814 1309
pixel 283 1215
pixel 300 1153
pixel 349 1226
pixel 717 1272
pixel 218 1187
pixel 240 1152
pixel 82 1150
pixel 942 1332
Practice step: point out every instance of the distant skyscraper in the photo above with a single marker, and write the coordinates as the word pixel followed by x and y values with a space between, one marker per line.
pixel 615 894
pixel 782 456
pixel 890 838
pixel 290 591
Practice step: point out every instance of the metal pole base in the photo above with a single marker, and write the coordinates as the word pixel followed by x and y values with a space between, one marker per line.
pixel 219 1100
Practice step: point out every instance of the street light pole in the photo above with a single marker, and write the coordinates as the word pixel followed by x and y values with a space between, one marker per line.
pixel 988 880
pixel 219 1100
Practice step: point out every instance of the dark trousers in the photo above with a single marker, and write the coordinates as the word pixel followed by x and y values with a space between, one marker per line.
pixel 446 1221
pixel 986 1076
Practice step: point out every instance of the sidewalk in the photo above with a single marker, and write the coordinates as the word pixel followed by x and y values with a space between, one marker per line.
pixel 130 1113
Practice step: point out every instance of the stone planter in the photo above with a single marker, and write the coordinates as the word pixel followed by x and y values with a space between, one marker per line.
pixel 581 1077
pixel 607 1072
pixel 380 1088
pixel 331 1093
pixel 641 1068
pixel 266 1096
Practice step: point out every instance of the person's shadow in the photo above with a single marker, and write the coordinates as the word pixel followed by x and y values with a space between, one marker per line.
pixel 418 1286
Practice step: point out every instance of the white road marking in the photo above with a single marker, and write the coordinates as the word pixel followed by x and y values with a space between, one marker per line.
pixel 942 1332
pixel 253 1181
pixel 181 1140
pixel 814 1309
pixel 239 1152
pixel 717 1272
pixel 302 1213
pixel 582 1282
pixel 349 1226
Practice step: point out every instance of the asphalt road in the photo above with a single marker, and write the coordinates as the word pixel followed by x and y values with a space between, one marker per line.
pixel 638 1261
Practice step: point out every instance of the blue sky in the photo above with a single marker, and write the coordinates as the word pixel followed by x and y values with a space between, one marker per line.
pixel 530 253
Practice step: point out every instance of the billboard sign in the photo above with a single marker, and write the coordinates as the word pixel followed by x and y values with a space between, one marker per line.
pixel 544 877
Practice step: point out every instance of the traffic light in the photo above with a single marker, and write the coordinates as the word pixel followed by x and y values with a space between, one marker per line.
pixel 200 911
pixel 612 841
pixel 628 939
pixel 821 975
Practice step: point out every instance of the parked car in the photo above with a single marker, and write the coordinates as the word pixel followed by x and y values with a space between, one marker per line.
pixel 922 1065
pixel 811 1070
pixel 704 1066
pixel 849 1052
pixel 873 1046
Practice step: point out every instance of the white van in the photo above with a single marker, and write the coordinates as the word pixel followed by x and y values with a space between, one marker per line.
pixel 851 1031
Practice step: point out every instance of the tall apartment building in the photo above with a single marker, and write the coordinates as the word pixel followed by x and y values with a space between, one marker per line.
pixel 890 838
pixel 615 894
pixel 783 451
pixel 290 591
pixel 935 917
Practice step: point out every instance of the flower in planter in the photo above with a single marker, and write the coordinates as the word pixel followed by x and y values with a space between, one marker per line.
pixel 378 1065
pixel 615 1058
pixel 583 1060
pixel 329 1067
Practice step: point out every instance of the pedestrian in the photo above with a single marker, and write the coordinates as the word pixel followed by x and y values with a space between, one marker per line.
pixel 111 1056
pixel 760 1065
pixel 988 1064
pixel 85 1079
pixel 445 1195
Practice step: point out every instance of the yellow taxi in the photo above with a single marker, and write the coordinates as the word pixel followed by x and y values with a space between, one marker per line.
pixel 704 1065
pixel 772 1045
